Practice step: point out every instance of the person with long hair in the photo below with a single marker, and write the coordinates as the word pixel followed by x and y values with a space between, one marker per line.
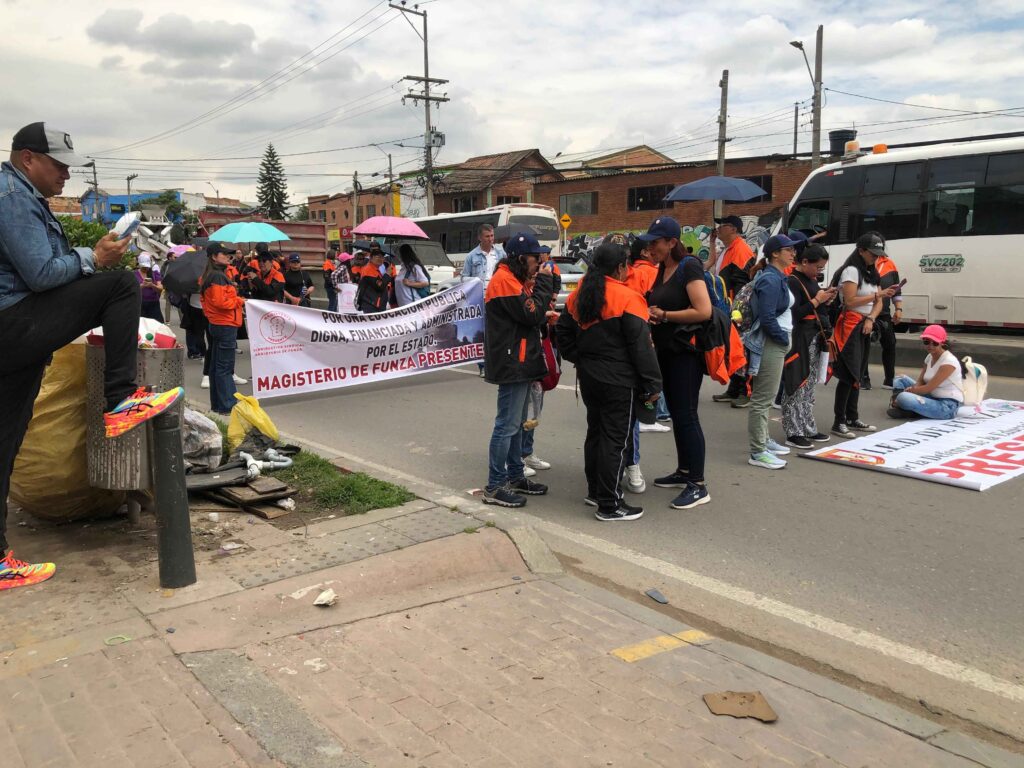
pixel 604 331
pixel 938 390
pixel 223 309
pixel 858 284
pixel 412 279
pixel 679 297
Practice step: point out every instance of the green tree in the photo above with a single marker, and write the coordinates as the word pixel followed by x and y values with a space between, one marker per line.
pixel 272 186
pixel 302 213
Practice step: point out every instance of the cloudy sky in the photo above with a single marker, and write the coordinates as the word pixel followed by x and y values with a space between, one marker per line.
pixel 149 86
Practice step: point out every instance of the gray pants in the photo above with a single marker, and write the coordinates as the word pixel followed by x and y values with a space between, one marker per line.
pixel 798 408
pixel 765 387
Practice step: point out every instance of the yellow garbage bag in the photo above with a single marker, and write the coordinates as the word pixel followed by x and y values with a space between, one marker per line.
pixel 50 477
pixel 246 416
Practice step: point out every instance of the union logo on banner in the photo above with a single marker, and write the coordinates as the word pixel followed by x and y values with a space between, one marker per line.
pixel 277 327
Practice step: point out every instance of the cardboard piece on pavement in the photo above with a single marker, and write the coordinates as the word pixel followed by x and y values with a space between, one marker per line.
pixel 737 704
pixel 246 495
pixel 267 511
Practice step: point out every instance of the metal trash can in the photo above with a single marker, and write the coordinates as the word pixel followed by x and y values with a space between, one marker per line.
pixel 122 463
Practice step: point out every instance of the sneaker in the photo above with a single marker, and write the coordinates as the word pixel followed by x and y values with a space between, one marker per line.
pixel 725 397
pixel 693 496
pixel 140 407
pixel 860 426
pixel 677 479
pixel 623 512
pixel 898 413
pixel 238 379
pixel 634 480
pixel 766 460
pixel 238 351
pixel 866 385
pixel 777 448
pixel 887 384
pixel 503 497
pixel 535 462
pixel 205 383
pixel 663 419
pixel 841 430
pixel 527 487
pixel 819 437
pixel 777 406
pixel 655 427
pixel 529 471
pixel 590 501
pixel 799 441
pixel 17 573
pixel 741 402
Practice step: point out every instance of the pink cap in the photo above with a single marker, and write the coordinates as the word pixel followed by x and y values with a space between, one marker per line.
pixel 935 333
pixel 345 257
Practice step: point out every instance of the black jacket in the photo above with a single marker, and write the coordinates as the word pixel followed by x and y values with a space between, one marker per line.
pixel 373 292
pixel 512 327
pixel 617 349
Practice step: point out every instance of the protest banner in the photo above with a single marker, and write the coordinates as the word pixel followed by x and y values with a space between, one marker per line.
pixel 979 448
pixel 298 349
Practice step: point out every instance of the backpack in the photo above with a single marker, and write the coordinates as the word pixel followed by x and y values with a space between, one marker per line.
pixel 975 381
pixel 716 290
pixel 743 311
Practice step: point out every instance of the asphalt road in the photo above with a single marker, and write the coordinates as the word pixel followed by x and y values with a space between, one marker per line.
pixel 936 568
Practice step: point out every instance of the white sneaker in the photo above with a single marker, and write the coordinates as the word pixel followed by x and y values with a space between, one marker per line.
pixel 205 383
pixel 535 462
pixel 776 448
pixel 238 379
pixel 766 460
pixel 528 471
pixel 655 427
pixel 634 480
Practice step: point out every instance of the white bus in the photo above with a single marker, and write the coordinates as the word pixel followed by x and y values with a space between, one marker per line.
pixel 952 216
pixel 458 232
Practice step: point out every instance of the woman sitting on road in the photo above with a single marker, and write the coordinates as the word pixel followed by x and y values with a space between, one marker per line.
pixel 604 332
pixel 938 391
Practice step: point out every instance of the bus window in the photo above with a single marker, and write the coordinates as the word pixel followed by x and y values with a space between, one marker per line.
pixel 878 179
pixel 808 215
pixel 542 227
pixel 965 171
pixel 895 216
pixel 950 212
pixel 907 177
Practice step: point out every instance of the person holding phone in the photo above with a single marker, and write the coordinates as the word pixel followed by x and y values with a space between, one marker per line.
pixel 150 287
pixel 888 318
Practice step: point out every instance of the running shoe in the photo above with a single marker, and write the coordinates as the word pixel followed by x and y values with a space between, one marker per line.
pixel 766 460
pixel 776 448
pixel 17 573
pixel 634 479
pixel 142 406
pixel 693 496
pixel 657 426
pixel 527 487
pixel 238 379
pixel 724 397
pixel 503 497
pixel 677 479
pixel 623 512
pixel 590 501
pixel 528 471
pixel 536 462
pixel 741 402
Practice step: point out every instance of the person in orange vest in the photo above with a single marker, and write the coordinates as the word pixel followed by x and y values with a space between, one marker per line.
pixel 737 258
pixel 330 264
pixel 223 309
pixel 265 281
pixel 374 285
pixel 892 313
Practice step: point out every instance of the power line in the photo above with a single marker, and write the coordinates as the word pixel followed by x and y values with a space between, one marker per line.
pixel 251 157
pixel 998 112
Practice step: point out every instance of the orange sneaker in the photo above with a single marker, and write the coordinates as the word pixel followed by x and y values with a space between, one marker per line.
pixel 18 573
pixel 140 407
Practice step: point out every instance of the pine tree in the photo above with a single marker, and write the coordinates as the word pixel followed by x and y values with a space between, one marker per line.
pixel 272 186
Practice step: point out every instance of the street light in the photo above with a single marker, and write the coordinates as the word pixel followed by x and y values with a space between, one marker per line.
pixel 816 82
pixel 215 192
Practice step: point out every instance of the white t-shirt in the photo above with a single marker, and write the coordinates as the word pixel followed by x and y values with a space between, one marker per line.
pixel 852 275
pixel 952 388
pixel 404 293
pixel 493 257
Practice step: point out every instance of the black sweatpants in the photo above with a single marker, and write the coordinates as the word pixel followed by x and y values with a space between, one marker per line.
pixel 608 447
pixel 40 324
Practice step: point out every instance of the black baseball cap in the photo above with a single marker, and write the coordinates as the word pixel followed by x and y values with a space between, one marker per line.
pixel 294 258
pixel 39 137
pixel 872 242
pixel 212 249
pixel 735 221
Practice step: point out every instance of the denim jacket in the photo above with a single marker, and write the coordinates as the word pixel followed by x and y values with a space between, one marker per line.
pixel 34 252
pixel 771 299
pixel 476 262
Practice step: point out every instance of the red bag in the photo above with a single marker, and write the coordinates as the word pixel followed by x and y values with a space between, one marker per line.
pixel 550 380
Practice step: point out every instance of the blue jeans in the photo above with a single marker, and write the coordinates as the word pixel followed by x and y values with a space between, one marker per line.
pixel 660 413
pixel 222 367
pixel 922 405
pixel 505 456
pixel 332 297
pixel 636 434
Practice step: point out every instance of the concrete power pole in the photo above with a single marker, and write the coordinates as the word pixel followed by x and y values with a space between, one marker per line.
pixel 796 125
pixel 722 114
pixel 355 198
pixel 426 81
pixel 816 145
pixel 130 177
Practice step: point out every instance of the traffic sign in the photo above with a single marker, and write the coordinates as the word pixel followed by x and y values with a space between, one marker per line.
pixel 565 221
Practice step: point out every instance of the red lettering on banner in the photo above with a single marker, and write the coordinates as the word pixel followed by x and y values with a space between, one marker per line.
pixel 1010 446
pixel 979 466
pixel 990 455
pixel 943 472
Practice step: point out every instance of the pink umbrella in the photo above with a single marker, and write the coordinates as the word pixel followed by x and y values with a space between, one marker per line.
pixel 393 226
pixel 177 250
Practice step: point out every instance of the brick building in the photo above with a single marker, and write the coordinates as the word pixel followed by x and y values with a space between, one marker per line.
pixel 336 210
pixel 66 206
pixel 640 157
pixel 630 200
pixel 508 177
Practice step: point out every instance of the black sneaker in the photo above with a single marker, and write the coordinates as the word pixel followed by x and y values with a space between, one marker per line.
pixel 866 385
pixel 503 497
pixel 677 479
pixel 623 512
pixel 860 426
pixel 841 430
pixel 898 413
pixel 693 496
pixel 819 437
pixel 590 501
pixel 799 441
pixel 887 384
pixel 725 397
pixel 528 487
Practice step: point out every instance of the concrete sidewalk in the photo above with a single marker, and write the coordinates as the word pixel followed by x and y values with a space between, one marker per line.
pixel 445 648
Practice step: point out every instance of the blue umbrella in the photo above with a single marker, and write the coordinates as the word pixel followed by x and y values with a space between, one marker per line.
pixel 249 232
pixel 716 188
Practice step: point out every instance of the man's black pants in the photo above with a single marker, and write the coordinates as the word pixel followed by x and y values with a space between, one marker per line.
pixel 608 447
pixel 40 324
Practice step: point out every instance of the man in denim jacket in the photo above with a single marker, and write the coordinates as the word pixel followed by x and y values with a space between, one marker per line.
pixel 50 294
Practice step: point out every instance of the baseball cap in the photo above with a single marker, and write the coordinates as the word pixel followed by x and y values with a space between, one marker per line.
pixel 265 256
pixel 872 242
pixel 212 249
pixel 145 259
pixel 545 249
pixel 935 333
pixel 799 238
pixel 736 221
pixel 294 258
pixel 665 226
pixel 777 243
pixel 39 137
pixel 522 243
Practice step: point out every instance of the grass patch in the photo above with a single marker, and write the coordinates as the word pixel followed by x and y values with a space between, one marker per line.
pixel 327 489
pixel 223 427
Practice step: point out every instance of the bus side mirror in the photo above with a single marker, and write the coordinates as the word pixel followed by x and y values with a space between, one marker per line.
pixel 785 218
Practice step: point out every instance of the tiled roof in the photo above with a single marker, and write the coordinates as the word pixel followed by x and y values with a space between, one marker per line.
pixel 483 171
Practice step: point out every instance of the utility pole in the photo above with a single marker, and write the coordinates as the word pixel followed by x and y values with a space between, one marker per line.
pixel 796 124
pixel 95 190
pixel 816 145
pixel 426 81
pixel 355 198
pixel 130 177
pixel 722 113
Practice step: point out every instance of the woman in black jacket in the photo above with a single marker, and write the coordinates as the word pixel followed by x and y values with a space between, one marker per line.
pixel 374 286
pixel 604 332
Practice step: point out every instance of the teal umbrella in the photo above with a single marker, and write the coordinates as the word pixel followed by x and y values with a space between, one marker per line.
pixel 249 232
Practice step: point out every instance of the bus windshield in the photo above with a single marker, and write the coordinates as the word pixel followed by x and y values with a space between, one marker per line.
pixel 541 227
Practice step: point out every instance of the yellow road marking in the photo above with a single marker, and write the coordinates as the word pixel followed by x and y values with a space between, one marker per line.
pixel 660 644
